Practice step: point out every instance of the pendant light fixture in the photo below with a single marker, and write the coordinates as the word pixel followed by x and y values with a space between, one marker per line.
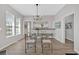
pixel 37 17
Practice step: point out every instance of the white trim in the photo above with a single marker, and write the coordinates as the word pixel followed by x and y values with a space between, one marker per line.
pixel 9 44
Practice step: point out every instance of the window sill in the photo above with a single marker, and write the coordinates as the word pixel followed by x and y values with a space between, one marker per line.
pixel 9 36
pixel 12 36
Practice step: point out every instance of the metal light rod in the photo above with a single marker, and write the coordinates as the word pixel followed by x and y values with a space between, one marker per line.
pixel 37 9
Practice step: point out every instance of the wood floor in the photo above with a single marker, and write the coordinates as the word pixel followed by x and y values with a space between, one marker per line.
pixel 61 49
pixel 58 48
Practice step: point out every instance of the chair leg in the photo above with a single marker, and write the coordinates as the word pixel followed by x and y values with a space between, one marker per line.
pixel 42 48
pixel 25 51
pixel 35 47
pixel 51 47
pixel 42 45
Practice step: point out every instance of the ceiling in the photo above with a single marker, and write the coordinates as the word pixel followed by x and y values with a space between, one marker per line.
pixel 43 9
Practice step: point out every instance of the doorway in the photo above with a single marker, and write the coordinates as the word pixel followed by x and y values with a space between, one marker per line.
pixel 27 28
pixel 69 32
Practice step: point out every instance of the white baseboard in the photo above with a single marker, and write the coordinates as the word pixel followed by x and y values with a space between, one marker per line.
pixel 9 44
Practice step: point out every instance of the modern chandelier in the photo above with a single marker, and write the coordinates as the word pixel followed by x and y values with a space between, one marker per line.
pixel 37 17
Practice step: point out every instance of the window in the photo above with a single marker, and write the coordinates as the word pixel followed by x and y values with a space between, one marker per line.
pixel 17 26
pixel 12 25
pixel 9 24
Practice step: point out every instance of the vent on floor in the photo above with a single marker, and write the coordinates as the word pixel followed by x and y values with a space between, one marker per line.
pixel 3 52
pixel 71 53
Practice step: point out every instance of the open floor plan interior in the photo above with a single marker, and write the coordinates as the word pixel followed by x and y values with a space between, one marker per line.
pixel 39 29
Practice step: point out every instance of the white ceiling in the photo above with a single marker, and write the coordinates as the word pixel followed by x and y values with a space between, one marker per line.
pixel 44 9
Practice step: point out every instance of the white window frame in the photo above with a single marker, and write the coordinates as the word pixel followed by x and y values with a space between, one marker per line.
pixel 19 25
pixel 7 14
pixel 14 24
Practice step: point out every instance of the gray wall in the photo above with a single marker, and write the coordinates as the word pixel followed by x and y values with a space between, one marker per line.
pixel 3 40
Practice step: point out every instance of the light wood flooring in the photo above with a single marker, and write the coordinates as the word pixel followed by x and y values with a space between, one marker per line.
pixel 58 48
